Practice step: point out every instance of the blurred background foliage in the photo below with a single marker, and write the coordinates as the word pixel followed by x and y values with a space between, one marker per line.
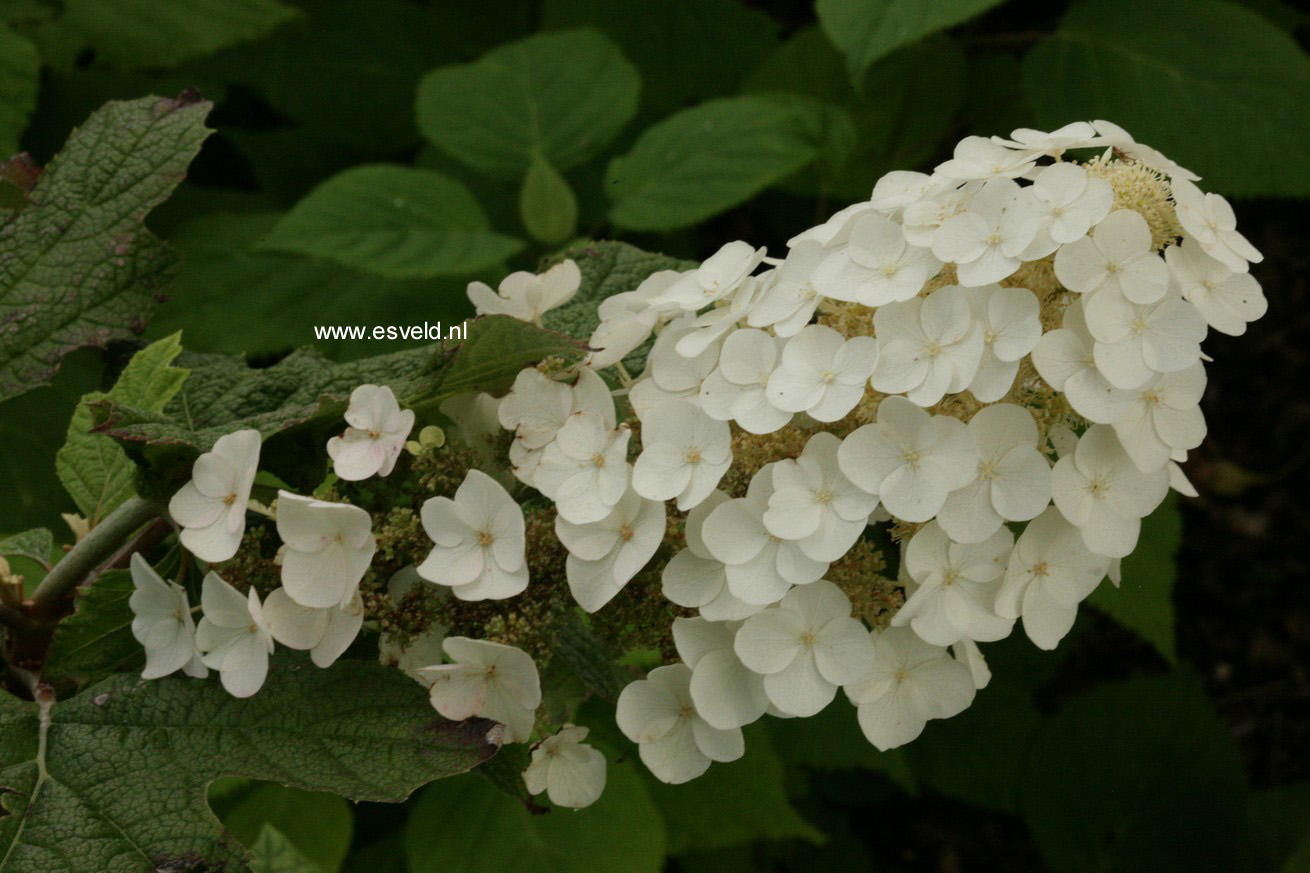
pixel 371 156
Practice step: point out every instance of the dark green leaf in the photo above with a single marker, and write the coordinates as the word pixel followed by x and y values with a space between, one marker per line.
pixel 562 95
pixel 547 204
pixel 832 740
pixel 274 853
pixel 468 826
pixel 687 50
pixel 77 265
pixel 316 826
pixel 114 779
pixel 734 803
pixel 1223 93
pixel 136 34
pixel 35 544
pixel 393 221
pixel 96 472
pixel 1135 776
pixel 20 74
pixel 866 30
pixel 1143 602
pixel 702 161
pixel 96 641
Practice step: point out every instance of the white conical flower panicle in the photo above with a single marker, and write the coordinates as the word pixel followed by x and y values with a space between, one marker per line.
pixel 211 508
pixel 377 433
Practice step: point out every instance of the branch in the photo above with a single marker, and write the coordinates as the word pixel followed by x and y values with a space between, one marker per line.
pixel 95 548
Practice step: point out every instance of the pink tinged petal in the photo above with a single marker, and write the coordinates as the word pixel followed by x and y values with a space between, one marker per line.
pixel 770 640
pixel 799 689
pixel 727 694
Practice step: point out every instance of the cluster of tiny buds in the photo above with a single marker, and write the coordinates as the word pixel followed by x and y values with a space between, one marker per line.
pixel 995 368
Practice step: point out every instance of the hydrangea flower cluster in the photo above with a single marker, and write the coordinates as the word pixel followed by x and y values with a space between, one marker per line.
pixel 985 376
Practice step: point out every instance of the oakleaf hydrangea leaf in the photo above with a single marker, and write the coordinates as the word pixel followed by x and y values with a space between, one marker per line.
pixel 96 640
pixel 77 265
pixel 114 779
pixel 95 470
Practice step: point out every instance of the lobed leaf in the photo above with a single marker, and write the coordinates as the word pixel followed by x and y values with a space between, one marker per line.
pixel 866 30
pixel 96 641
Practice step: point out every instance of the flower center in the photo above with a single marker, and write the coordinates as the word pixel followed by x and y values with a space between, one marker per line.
pixel 686 711
pixel 374 435
pixel 951 577
pixel 598 459
pixel 994 239
pixel 807 639
pixel 889 268
pixel 987 470
pixel 625 533
pixel 827 376
pixel 823 496
pixel 485 538
pixel 911 457
pixel 692 455
pixel 230 499
pixel 1041 569
pixel 1098 487
pixel 932 351
pixel 1139 324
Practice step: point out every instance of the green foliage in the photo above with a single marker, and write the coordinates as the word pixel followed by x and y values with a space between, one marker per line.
pixel 1144 600
pixel 466 825
pixel 20 72
pixel 316 826
pixel 1187 91
pixel 96 641
pixel 563 96
pixel 547 204
pixel 397 222
pixel 1135 776
pixel 95 471
pixel 81 237
pixel 702 161
pixel 115 778
pixel 161 33
pixel 34 544
pixel 866 30
pixel 273 853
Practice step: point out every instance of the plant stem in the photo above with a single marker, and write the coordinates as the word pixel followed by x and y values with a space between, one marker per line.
pixel 96 547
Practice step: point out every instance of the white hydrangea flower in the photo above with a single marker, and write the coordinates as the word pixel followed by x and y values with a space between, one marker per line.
pixel 684 454
pixel 626 319
pixel 1077 134
pixel 479 541
pixel 986 240
pixel 712 324
pixel 1228 301
pixel 1069 203
pixel 604 555
pixel 1164 418
pixel 1010 319
pixel 1101 492
pixel 669 375
pixel 1135 341
pixel 735 391
pixel 788 297
pixel 909 683
pixel 1210 220
pixel 910 459
pixel 877 266
pixel 211 508
pixel 377 433
pixel 977 158
pixel 537 407
pixel 674 741
pixel 328 548
pixel 928 347
pixel 585 468
pixel 570 772
pixel 805 647
pixel 1066 359
pixel 759 567
pixel 1117 259
pixel 822 373
pixel 1122 141
pixel 836 230
pixel 896 190
pixel 814 504
pixel 921 220
pixel 489 680
pixel 162 624
pixel 527 296
pixel 717 276
pixel 694 578
pixel 957 586
pixel 1013 481
pixel 1049 573
pixel 727 693
pixel 324 633
pixel 233 637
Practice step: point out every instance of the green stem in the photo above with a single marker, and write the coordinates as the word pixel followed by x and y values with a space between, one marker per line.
pixel 97 546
